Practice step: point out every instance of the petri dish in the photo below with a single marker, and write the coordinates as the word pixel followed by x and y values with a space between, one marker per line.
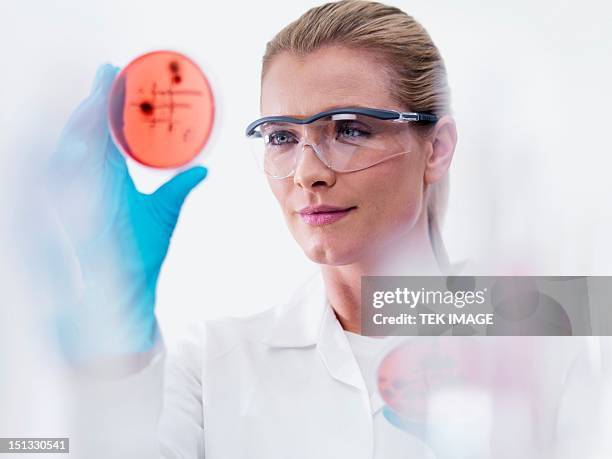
pixel 161 109
pixel 413 373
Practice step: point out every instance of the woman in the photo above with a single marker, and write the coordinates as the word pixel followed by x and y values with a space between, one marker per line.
pixel 356 139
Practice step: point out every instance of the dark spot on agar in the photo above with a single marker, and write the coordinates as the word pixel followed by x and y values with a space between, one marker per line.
pixel 174 66
pixel 146 108
pixel 177 79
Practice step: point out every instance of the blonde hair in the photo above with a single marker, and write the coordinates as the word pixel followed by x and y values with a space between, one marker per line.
pixel 415 65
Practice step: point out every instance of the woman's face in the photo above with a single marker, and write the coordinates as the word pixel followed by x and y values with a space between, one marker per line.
pixel 386 200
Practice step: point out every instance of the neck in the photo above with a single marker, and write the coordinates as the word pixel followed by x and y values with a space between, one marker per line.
pixel 411 256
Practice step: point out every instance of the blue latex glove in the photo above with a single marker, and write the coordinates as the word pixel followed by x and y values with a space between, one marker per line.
pixel 120 236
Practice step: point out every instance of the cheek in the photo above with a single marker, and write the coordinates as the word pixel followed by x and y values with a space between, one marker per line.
pixel 280 190
pixel 397 195
pixel 283 190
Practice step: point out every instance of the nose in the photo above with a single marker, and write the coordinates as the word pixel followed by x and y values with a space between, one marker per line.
pixel 311 171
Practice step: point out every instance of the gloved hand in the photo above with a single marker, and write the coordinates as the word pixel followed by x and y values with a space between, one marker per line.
pixel 120 236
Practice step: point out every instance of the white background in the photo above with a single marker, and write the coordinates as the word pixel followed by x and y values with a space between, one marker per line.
pixel 530 182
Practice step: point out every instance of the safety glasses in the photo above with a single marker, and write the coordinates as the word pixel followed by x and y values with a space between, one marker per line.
pixel 344 139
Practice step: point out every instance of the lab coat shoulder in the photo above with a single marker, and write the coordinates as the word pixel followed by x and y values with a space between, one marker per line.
pixel 219 337
pixel 293 323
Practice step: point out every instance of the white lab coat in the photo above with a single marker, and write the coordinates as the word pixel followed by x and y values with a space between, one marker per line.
pixel 279 384
pixel 284 384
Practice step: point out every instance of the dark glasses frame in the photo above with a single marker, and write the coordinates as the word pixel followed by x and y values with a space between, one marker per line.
pixel 381 114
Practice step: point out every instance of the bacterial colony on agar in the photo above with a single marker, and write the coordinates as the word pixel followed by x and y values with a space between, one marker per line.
pixel 161 109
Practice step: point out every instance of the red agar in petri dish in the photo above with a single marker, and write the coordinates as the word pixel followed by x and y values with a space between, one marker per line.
pixel 161 109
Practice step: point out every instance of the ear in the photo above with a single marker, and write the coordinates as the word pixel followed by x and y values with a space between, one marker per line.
pixel 443 141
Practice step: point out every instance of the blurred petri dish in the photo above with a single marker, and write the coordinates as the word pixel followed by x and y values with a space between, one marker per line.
pixel 414 372
pixel 161 109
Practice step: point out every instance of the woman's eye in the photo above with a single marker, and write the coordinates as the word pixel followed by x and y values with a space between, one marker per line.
pixel 280 138
pixel 349 131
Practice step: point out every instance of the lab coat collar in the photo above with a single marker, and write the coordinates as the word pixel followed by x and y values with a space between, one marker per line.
pixel 336 352
pixel 310 320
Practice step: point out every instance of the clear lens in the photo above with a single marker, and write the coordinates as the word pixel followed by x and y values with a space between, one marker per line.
pixel 344 142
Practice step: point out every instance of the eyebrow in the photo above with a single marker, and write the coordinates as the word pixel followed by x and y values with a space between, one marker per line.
pixel 326 109
pixel 278 123
pixel 339 117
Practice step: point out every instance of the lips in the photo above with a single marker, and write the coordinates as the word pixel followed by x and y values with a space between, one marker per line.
pixel 323 208
pixel 324 214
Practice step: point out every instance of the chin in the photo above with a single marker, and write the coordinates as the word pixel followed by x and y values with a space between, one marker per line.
pixel 329 253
